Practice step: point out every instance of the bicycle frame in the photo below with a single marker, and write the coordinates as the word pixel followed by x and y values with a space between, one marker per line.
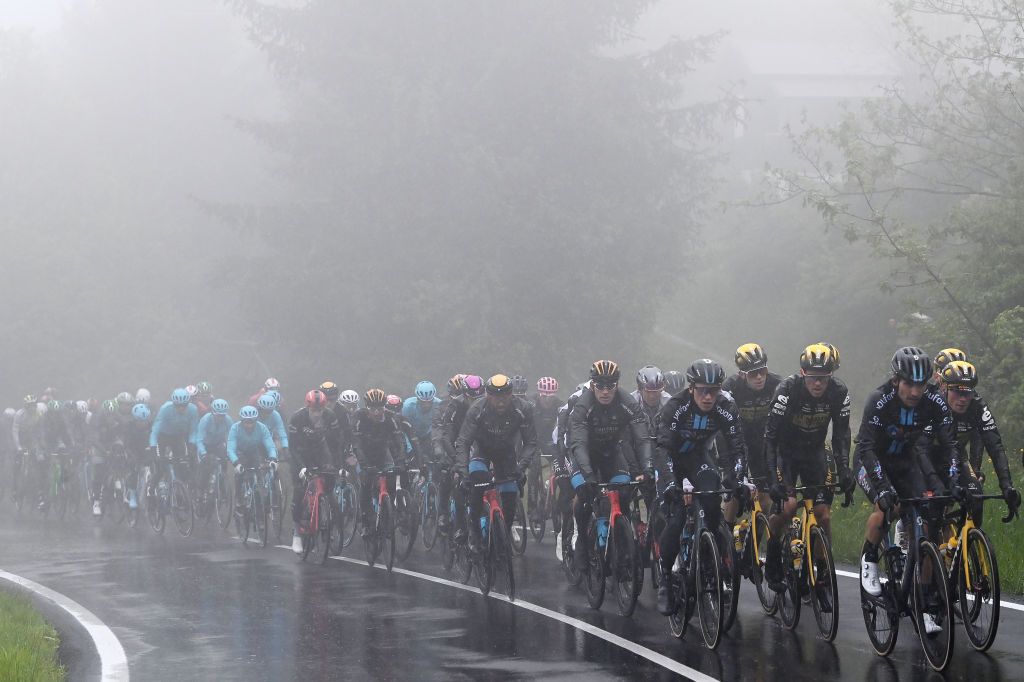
pixel 315 487
pixel 960 525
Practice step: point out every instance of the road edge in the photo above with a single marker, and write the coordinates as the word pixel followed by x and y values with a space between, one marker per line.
pixel 89 650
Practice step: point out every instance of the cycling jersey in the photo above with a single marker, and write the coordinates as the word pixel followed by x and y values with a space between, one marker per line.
pixel 378 443
pixel 171 424
pixel 798 422
pixel 106 430
pixel 26 429
pixel 496 436
pixel 244 443
pixel 55 432
pixel 596 433
pixel 975 431
pixel 451 424
pixel 754 407
pixel 316 442
pixel 272 420
pixel 212 432
pixel 889 432
pixel 686 437
pixel 545 418
pixel 420 419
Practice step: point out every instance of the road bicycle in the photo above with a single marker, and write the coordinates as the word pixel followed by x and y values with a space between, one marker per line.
pixel 379 537
pixel 407 518
pixel 251 512
pixel 346 493
pixel 427 501
pixel 492 558
pixel 171 496
pixel 316 524
pixel 613 553
pixel 750 544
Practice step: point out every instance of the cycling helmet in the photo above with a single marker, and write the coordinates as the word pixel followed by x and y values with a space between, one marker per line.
pixel 547 386
pixel 959 373
pixel 192 390
pixel 272 384
pixel 220 406
pixel 705 371
pixel 10 412
pixel 349 397
pixel 499 384
pixel 142 396
pixel 374 398
pixel 425 391
pixel 41 408
pixel 605 370
pixel 519 385
pixel 180 396
pixel 53 405
pixel 911 364
pixel 674 381
pixel 67 405
pixel 818 356
pixel 835 352
pixel 82 407
pixel 456 385
pixel 330 389
pixel 393 403
pixel 948 355
pixel 124 398
pixel 248 413
pixel 751 357
pixel 29 399
pixel 316 398
pixel 204 388
pixel 474 385
pixel 141 412
pixel 650 378
pixel 110 405
pixel 267 401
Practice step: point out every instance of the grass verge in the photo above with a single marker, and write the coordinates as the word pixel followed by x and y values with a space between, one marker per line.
pixel 28 644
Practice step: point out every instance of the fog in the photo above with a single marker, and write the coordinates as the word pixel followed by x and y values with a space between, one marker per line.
pixel 380 192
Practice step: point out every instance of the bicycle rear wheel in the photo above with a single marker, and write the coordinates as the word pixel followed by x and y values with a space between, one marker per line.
pixel 223 499
pixel 824 590
pixel 709 589
pixel 307 530
pixel 181 508
pixel 428 509
pixel 881 617
pixel 573 573
pixel 326 527
pixel 386 532
pixel 789 598
pixel 593 572
pixel 117 500
pixel 519 531
pixel 260 514
pixel 537 504
pixel 405 524
pixel 624 561
pixel 482 565
pixel 276 508
pixel 500 559
pixel 978 590
pixel 732 579
pixel 685 602
pixel 767 596
pixel 349 522
pixel 932 600
pixel 654 529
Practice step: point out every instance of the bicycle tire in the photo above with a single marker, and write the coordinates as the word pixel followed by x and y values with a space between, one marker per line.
pixel 573 574
pixel 768 597
pixel 482 565
pixel 224 503
pixel 519 530
pixel 326 527
pixel 503 574
pixel 386 531
pixel 276 508
pixel 938 647
pixel 181 508
pixel 594 570
pixel 118 500
pixel 74 490
pixel 789 598
pixel 824 589
pixel 881 618
pixel 430 516
pixel 308 538
pixel 624 561
pixel 132 493
pixel 405 524
pixel 158 520
pixel 260 514
pixel 709 589
pixel 732 579
pixel 350 518
pixel 983 595
pixel 462 562
pixel 654 529
pixel 684 600
pixel 537 503
pixel 242 519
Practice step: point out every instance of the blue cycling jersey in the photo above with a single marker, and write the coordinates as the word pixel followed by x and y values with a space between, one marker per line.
pixel 272 420
pixel 250 443
pixel 170 423
pixel 419 418
pixel 213 432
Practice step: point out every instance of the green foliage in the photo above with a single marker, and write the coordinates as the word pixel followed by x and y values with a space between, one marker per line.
pixel 28 645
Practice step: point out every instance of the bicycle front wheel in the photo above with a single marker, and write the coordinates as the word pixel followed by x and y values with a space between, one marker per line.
pixel 326 527
pixel 260 517
pixel 767 596
pixel 978 590
pixel 933 608
pixel 386 532
pixel 624 562
pixel 223 499
pixel 789 598
pixel 349 522
pixel 824 590
pixel 501 559
pixel 709 589
pixel 430 516
pixel 276 508
pixel 593 571
pixel 881 617
pixel 538 506
pixel 732 579
pixel 181 508
pixel 519 530
pixel 405 524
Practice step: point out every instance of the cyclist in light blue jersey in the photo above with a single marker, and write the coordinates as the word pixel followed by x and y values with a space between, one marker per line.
pixel 174 432
pixel 271 418
pixel 420 410
pixel 212 439
pixel 248 441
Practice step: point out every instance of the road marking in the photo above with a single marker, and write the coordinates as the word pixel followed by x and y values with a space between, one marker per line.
pixel 113 662
pixel 611 638
pixel 1002 603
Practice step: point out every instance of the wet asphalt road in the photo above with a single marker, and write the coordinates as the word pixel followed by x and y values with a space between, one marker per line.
pixel 205 607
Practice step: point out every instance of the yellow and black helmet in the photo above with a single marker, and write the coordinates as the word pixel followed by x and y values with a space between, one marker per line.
pixel 750 357
pixel 375 397
pixel 330 389
pixel 499 384
pixel 605 370
pixel 835 352
pixel 948 355
pixel 959 373
pixel 818 356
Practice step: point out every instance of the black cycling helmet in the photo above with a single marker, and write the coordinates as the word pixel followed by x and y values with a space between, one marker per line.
pixel 750 357
pixel 674 381
pixel 959 373
pixel 604 371
pixel 705 371
pixel 519 385
pixel 650 378
pixel 911 364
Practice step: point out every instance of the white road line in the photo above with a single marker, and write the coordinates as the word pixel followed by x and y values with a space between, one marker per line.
pixel 611 638
pixel 1002 602
pixel 113 662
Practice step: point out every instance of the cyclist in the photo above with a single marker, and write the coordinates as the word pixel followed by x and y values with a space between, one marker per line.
pixel 490 436
pixel 27 434
pixel 887 461
pixel 973 426
pixel 142 396
pixel 107 431
pixel 794 444
pixel 173 434
pixel 248 440
pixel 686 458
pixel 545 417
pixel 203 397
pixel 267 405
pixel 271 384
pixel 211 441
pixel 444 444
pixel 378 443
pixel 650 394
pixel 349 402
pixel 674 381
pixel 136 442
pixel 561 468
pixel 456 387
pixel 7 448
pixel 317 441
pixel 419 411
pixel 409 459
pixel 753 388
pixel 603 419
pixel 334 403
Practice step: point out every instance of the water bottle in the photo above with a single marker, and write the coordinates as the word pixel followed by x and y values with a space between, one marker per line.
pixel 483 528
pixel 739 534
pixel 602 532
